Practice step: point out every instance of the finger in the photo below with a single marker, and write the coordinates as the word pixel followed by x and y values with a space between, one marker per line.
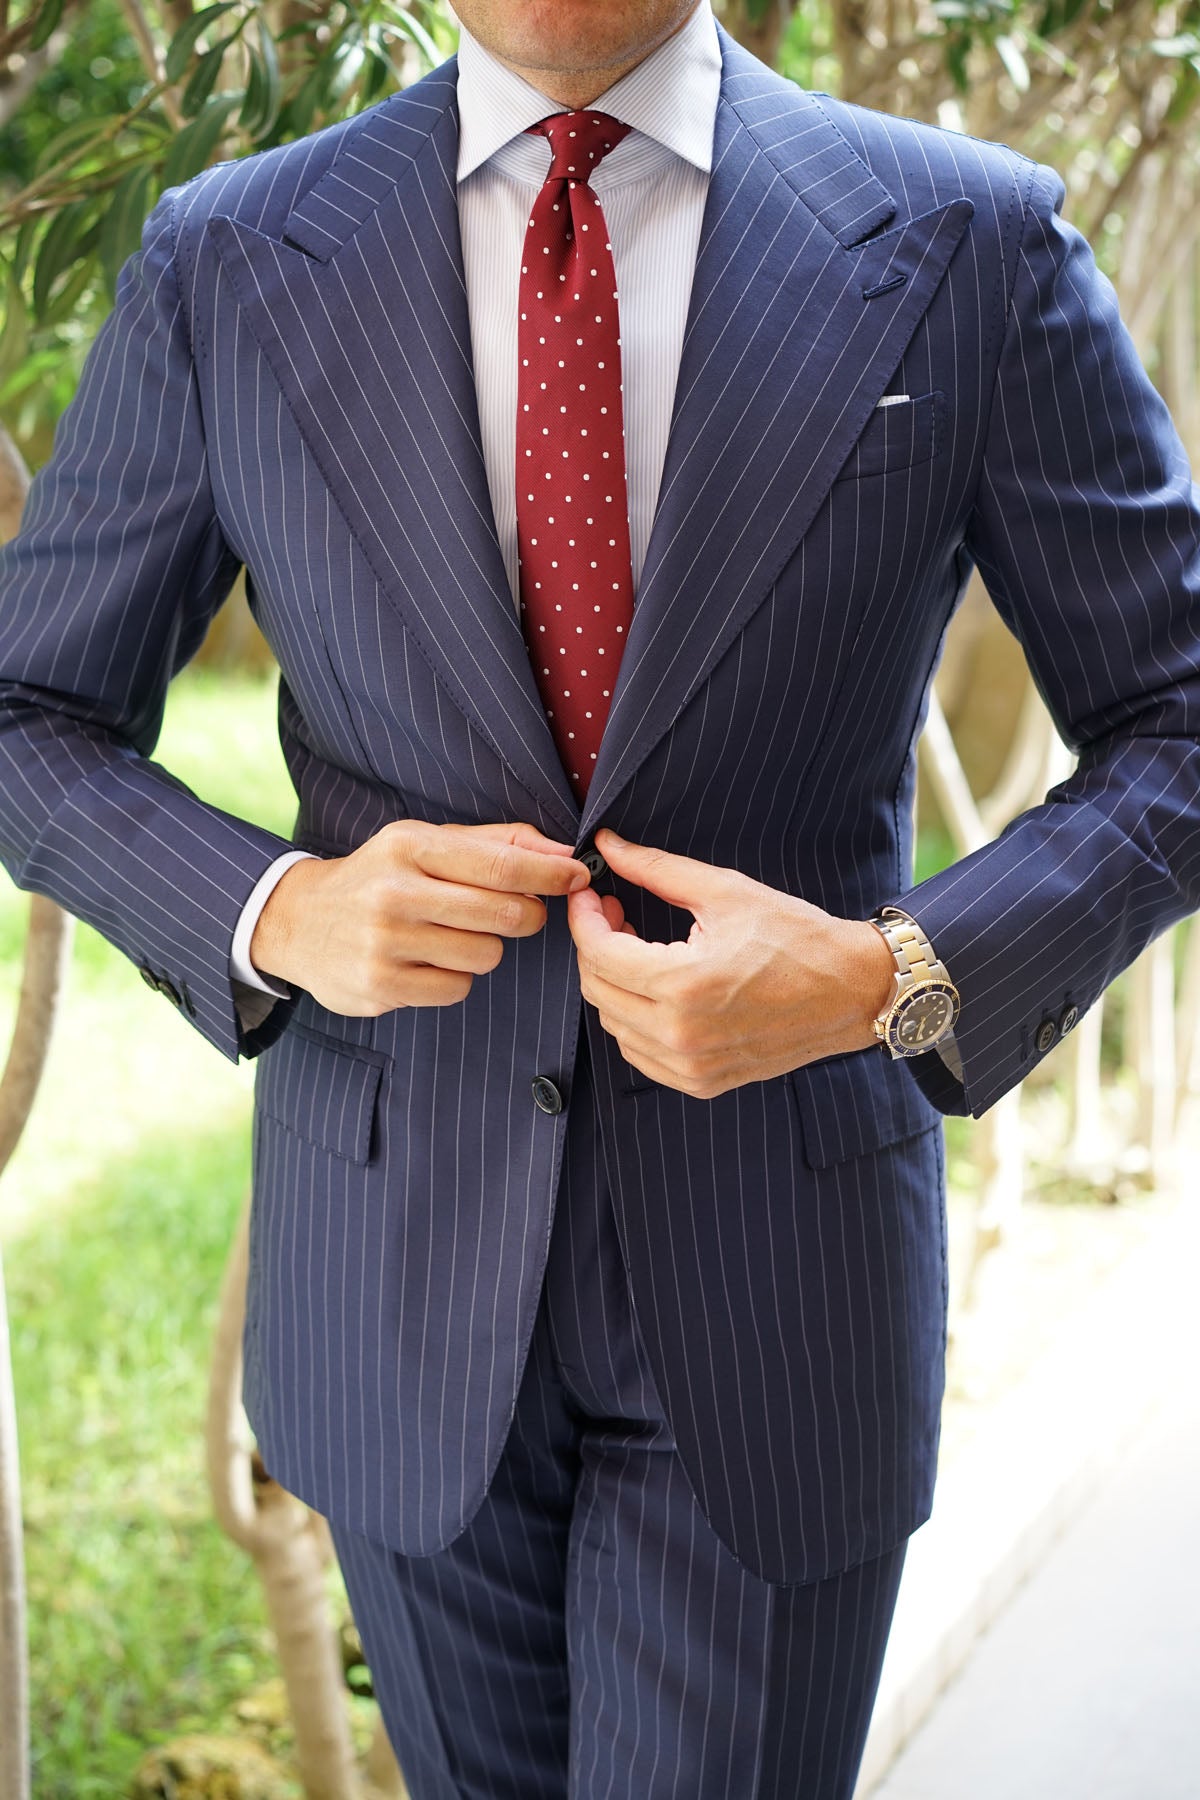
pixel 484 857
pixel 698 886
pixel 461 908
pixel 614 912
pixel 401 984
pixel 626 1011
pixel 647 1057
pixel 422 986
pixel 620 957
pixel 467 952
pixel 526 837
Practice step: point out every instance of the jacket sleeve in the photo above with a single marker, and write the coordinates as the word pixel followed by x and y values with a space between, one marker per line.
pixel 1086 529
pixel 106 591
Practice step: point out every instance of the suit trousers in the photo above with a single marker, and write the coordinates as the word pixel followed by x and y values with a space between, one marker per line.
pixel 588 1636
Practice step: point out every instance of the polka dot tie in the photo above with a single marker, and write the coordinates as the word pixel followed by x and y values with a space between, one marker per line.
pixel 572 513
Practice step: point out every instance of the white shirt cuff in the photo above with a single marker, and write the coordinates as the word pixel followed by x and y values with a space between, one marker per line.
pixel 255 994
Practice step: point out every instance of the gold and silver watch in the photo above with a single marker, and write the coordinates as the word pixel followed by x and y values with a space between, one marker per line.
pixel 924 1005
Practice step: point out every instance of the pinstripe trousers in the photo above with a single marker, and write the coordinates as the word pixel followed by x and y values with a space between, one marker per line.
pixel 588 1635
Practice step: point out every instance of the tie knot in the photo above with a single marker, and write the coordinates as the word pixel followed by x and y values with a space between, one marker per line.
pixel 579 141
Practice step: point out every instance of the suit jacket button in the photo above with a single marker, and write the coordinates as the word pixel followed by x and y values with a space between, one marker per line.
pixel 148 976
pixel 167 986
pixel 592 861
pixel 546 1095
pixel 1047 1034
pixel 1069 1020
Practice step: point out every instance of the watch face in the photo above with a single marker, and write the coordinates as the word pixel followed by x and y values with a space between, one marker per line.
pixel 922 1019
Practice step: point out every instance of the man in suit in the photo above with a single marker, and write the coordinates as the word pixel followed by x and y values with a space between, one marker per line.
pixel 609 1336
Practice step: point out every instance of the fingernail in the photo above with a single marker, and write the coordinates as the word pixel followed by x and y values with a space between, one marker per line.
pixel 579 880
pixel 616 836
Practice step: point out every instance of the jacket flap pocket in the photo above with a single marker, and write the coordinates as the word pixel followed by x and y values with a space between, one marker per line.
pixel 851 1105
pixel 321 1089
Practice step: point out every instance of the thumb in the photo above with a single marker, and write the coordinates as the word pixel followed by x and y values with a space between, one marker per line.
pixel 698 886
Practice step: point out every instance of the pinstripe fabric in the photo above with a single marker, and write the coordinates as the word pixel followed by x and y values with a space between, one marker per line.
pixel 589 1635
pixel 287 381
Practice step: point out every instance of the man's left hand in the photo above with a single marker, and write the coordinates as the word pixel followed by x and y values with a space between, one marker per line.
pixel 763 983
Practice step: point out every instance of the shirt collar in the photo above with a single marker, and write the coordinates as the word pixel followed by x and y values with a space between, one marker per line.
pixel 671 97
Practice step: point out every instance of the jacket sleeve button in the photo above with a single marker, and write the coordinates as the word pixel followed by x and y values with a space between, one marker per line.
pixel 167 986
pixel 1047 1035
pixel 1069 1020
pixel 148 976
pixel 546 1095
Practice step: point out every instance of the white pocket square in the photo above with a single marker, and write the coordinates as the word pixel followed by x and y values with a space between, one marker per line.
pixel 894 400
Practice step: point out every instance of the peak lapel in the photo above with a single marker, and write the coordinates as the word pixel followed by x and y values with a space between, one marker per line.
pixel 798 317
pixel 361 312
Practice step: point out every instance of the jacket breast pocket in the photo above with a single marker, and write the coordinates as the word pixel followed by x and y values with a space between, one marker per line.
pixel 852 1105
pixel 901 433
pixel 322 1090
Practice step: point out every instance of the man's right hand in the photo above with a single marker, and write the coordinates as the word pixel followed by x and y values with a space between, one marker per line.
pixel 412 915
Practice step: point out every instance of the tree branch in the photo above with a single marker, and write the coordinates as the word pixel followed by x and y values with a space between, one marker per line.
pixel 151 56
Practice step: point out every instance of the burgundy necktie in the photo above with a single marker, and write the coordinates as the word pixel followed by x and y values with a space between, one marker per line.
pixel 572 513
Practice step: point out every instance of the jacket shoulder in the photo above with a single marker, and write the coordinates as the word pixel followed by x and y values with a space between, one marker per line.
pixel 921 166
pixel 926 165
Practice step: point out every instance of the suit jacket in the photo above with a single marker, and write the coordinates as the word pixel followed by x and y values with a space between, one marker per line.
pixel 286 383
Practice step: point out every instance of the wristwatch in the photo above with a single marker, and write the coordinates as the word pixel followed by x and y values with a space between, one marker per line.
pixel 924 1006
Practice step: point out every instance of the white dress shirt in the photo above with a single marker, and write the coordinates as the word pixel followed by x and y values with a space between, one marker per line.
pixel 652 188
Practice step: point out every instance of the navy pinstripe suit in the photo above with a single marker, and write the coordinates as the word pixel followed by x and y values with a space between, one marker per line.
pixel 286 383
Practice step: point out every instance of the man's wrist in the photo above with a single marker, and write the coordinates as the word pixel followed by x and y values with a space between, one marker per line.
pixel 243 966
pixel 924 1001
pixel 873 979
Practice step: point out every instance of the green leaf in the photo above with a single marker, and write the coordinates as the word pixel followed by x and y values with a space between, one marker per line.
pixel 179 50
pixel 14 333
pixel 347 65
pixel 48 16
pixel 957 48
pixel 412 28
pixel 261 103
pixel 203 79
pixel 193 148
pixel 378 75
pixel 23 247
pixel 27 372
pixel 1015 66
pixel 59 249
pixel 121 228
pixel 69 143
pixel 62 305
pixel 312 95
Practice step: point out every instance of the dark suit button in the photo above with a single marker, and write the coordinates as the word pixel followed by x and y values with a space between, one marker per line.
pixel 1047 1034
pixel 592 861
pixel 1069 1020
pixel 167 986
pixel 148 976
pixel 546 1095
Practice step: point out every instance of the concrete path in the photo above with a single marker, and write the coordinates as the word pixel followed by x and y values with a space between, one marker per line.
pixel 1087 1684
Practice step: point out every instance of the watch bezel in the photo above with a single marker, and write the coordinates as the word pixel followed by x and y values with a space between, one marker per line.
pixel 904 1004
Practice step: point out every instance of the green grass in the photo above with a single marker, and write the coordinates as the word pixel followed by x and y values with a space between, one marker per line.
pixel 117 1212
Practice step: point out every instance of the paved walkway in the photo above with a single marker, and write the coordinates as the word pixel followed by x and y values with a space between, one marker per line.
pixel 1087 1684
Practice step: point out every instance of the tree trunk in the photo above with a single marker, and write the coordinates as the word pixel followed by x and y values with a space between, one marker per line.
pixel 758 29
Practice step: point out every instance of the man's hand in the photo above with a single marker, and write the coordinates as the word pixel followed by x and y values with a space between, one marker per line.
pixel 763 983
pixel 411 916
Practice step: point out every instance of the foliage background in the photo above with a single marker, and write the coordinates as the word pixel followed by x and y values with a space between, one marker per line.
pixel 104 103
